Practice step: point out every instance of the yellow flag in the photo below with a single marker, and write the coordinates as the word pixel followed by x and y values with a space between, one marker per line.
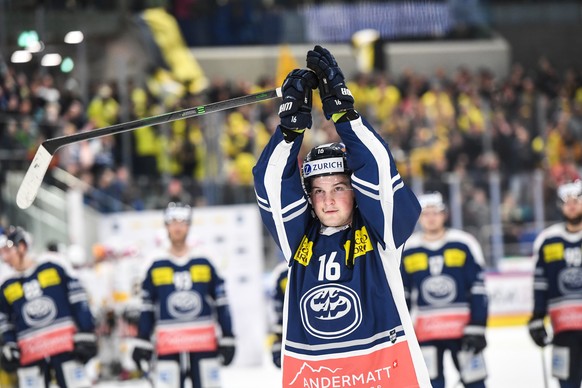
pixel 285 64
pixel 166 33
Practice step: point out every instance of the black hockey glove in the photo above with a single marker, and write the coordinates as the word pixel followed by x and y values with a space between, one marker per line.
pixel 276 351
pixel 335 95
pixel 142 354
pixel 10 357
pixel 295 109
pixel 85 346
pixel 474 343
pixel 226 350
pixel 537 331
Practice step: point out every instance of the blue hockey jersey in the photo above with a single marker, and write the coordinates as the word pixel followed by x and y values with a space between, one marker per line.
pixel 42 308
pixel 277 297
pixel 447 275
pixel 344 325
pixel 558 277
pixel 180 299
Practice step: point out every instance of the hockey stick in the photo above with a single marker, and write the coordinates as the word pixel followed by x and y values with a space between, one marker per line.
pixel 35 174
pixel 544 371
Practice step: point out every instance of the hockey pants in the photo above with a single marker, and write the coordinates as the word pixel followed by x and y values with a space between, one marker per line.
pixel 567 358
pixel 68 373
pixel 471 367
pixel 202 368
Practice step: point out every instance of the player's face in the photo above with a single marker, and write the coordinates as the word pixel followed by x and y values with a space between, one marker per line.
pixel 432 219
pixel 178 231
pixel 333 199
pixel 572 209
pixel 11 255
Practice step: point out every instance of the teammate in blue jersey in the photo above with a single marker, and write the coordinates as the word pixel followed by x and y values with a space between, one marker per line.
pixel 277 299
pixel 7 379
pixel 184 312
pixel 558 288
pixel 443 268
pixel 341 222
pixel 45 322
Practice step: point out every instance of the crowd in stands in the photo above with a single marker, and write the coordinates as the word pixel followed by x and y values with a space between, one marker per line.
pixel 468 123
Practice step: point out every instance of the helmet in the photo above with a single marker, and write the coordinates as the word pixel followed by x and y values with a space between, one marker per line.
pixel 570 189
pixel 325 159
pixel 434 199
pixel 177 211
pixel 16 235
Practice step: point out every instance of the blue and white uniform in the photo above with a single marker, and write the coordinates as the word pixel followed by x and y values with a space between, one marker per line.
pixel 41 309
pixel 558 292
pixel 185 310
pixel 277 297
pixel 346 323
pixel 446 275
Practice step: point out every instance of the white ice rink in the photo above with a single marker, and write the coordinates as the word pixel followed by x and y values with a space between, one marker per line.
pixel 512 358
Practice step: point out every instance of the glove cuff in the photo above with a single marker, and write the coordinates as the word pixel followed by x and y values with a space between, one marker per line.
pixel 474 330
pixel 340 101
pixel 536 323
pixel 291 134
pixel 143 344
pixel 226 341
pixel 342 117
pixel 85 337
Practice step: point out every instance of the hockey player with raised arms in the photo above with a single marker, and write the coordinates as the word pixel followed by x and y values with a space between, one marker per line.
pixel 183 304
pixel 443 267
pixel 341 225
pixel 45 322
pixel 558 288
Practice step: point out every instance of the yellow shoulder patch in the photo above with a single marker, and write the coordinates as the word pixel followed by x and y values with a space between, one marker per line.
pixel 363 243
pixel 13 292
pixel 553 252
pixel 304 252
pixel 162 276
pixel 416 262
pixel 48 277
pixel 200 273
pixel 455 257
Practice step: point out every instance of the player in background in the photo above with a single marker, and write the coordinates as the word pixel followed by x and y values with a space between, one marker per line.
pixel 45 322
pixel 443 268
pixel 341 225
pixel 277 299
pixel 558 288
pixel 7 379
pixel 184 304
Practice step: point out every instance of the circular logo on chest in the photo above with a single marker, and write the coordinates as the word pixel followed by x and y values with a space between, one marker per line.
pixel 331 311
pixel 439 290
pixel 570 281
pixel 184 304
pixel 39 311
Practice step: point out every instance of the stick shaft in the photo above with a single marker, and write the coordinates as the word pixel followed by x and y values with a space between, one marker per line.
pixel 52 145
pixel 36 171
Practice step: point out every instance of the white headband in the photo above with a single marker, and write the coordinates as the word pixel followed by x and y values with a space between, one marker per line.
pixel 432 199
pixel 323 167
pixel 567 190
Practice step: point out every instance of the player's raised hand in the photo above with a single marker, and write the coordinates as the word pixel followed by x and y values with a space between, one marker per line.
pixel 335 95
pixel 295 109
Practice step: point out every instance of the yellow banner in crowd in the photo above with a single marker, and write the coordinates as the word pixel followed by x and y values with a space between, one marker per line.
pixel 166 33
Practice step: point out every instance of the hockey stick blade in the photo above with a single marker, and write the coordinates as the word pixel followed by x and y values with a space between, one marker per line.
pixel 38 167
